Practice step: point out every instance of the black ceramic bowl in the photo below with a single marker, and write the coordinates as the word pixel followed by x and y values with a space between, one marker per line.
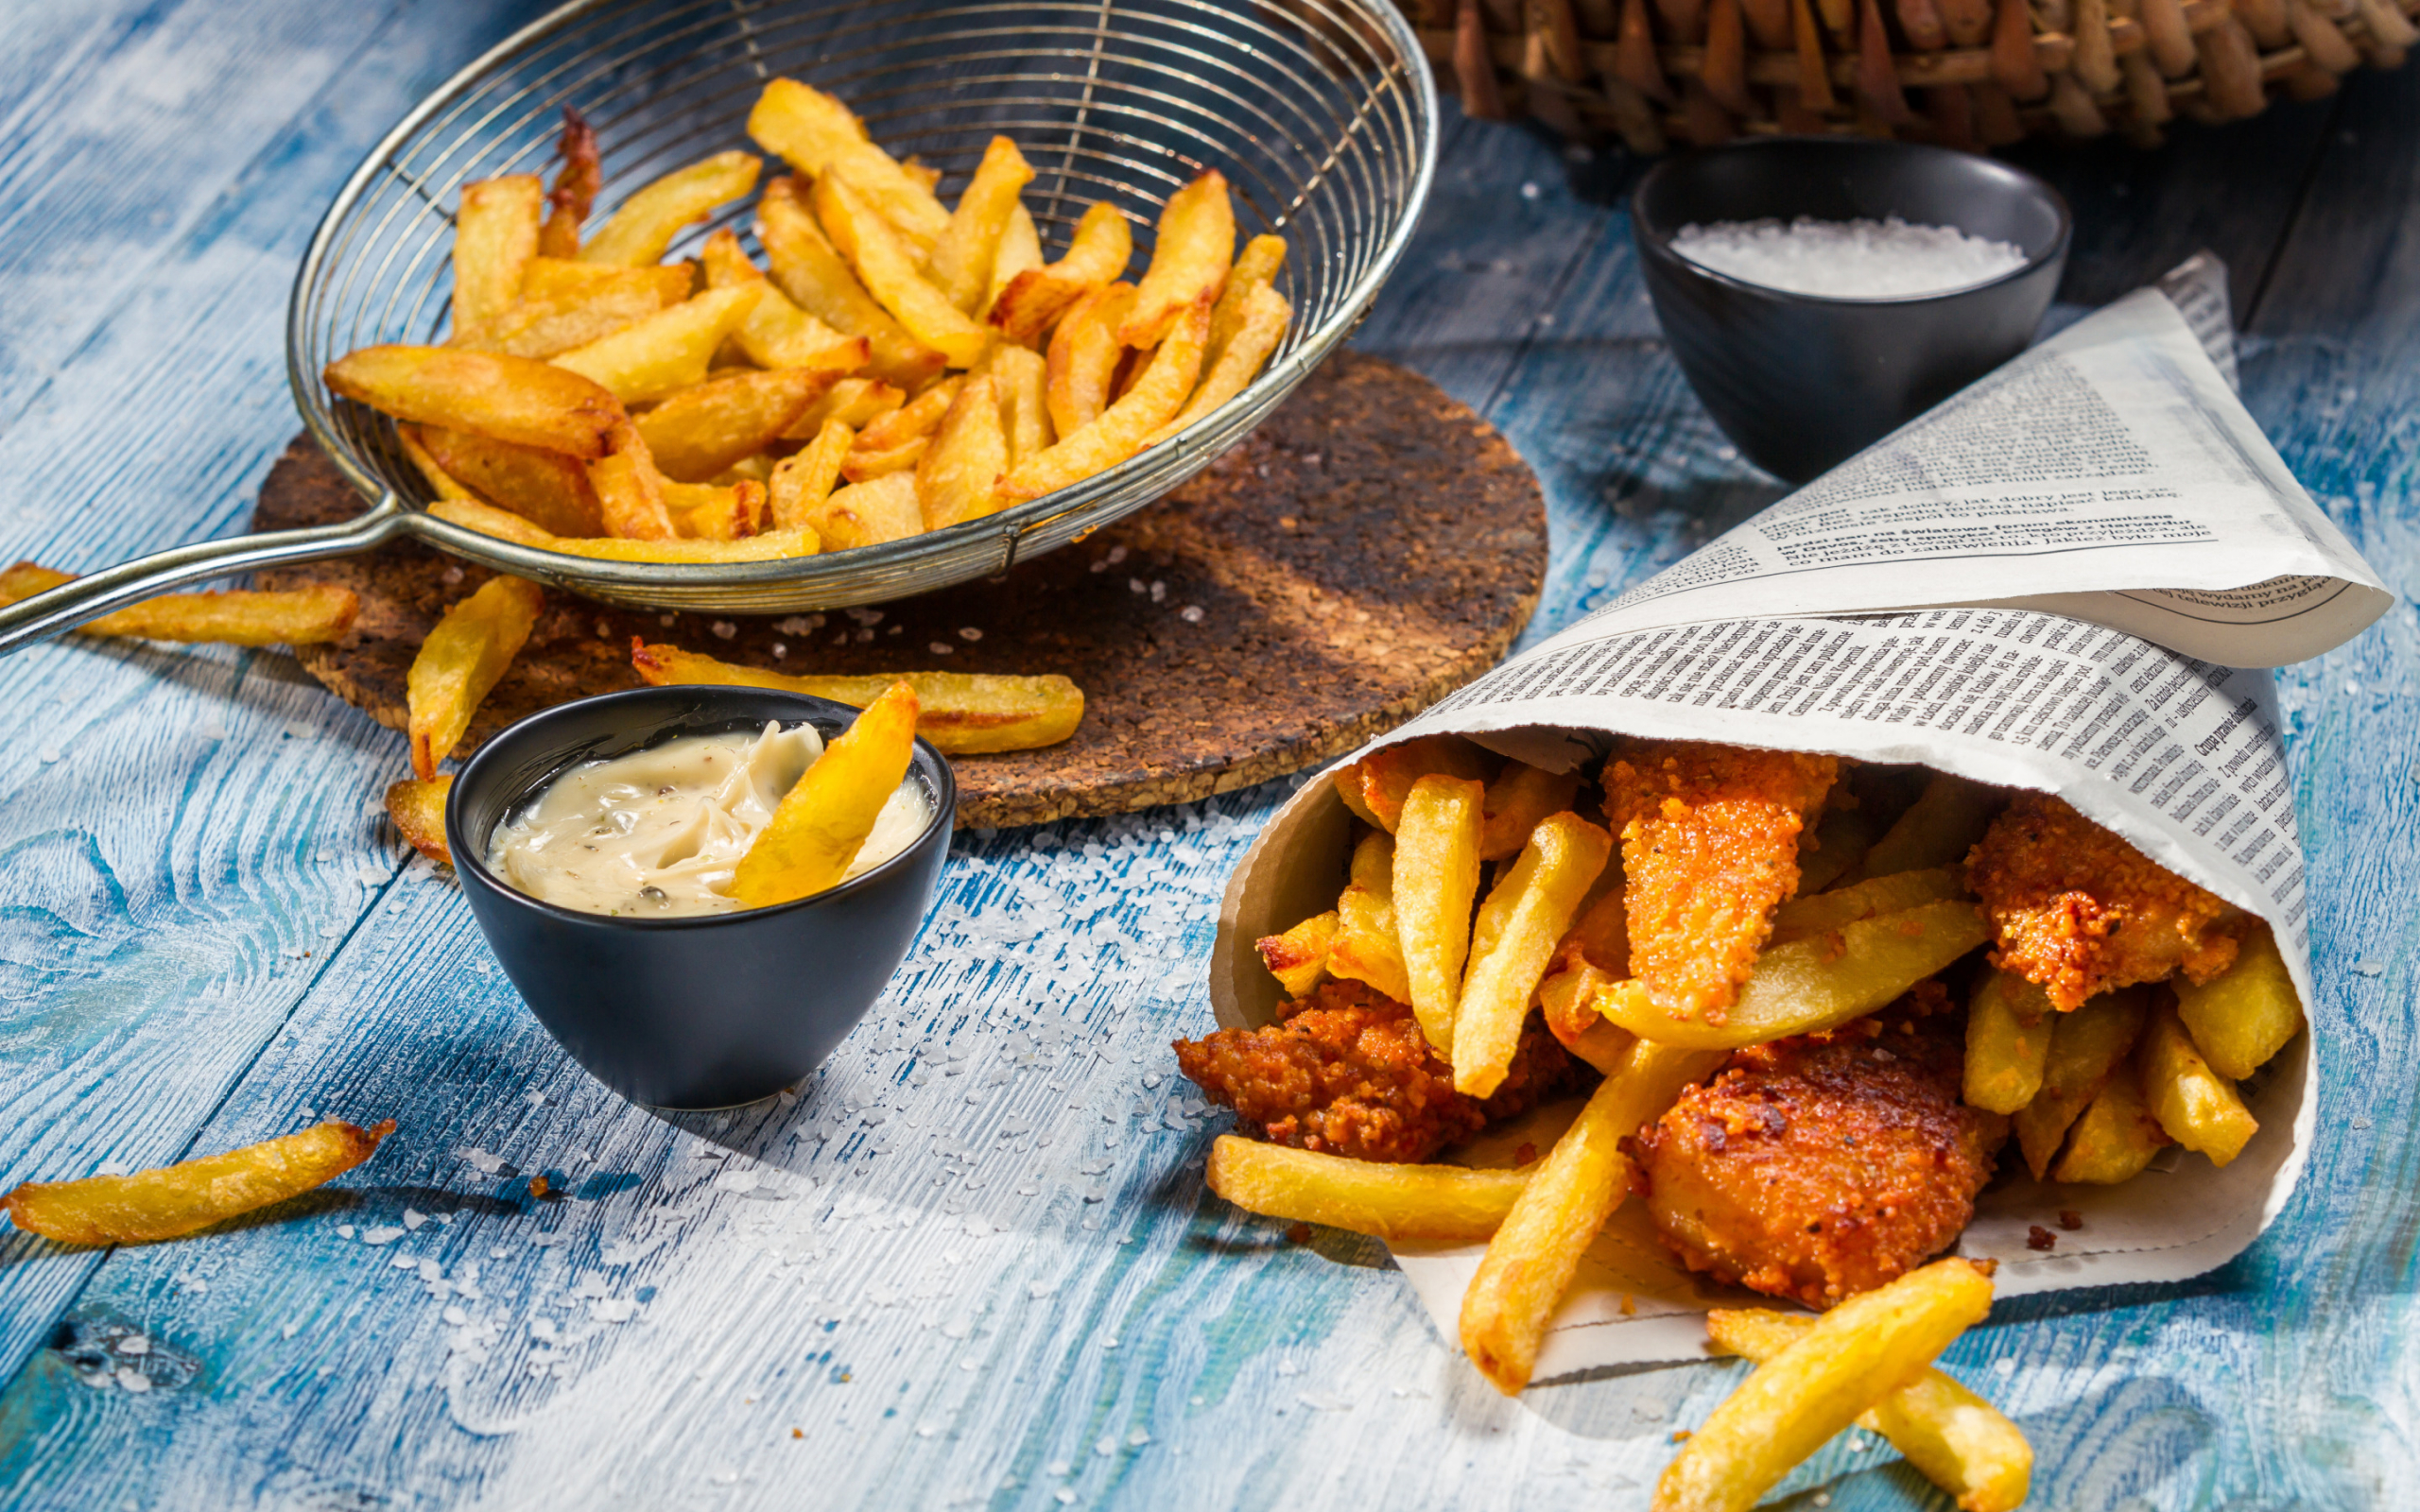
pixel 708 1011
pixel 1800 381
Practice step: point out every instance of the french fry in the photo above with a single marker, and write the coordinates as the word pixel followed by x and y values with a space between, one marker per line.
pixel 2246 1014
pixel 1266 314
pixel 1256 267
pixel 1813 984
pixel 970 451
pixel 855 403
pixel 2008 1024
pixel 870 513
pixel 667 351
pixel 963 259
pixel 1298 958
pixel 1807 916
pixel 962 713
pixel 777 334
pixel 579 175
pixel 1567 997
pixel 772 546
pixel 920 417
pixel 1436 1203
pixel 461 659
pixel 1366 948
pixel 823 821
pixel 864 466
pixel 1958 1441
pixel 820 137
pixel 1944 822
pixel 546 486
pixel 1127 426
pixel 1383 778
pixel 1189 260
pixel 630 490
pixel 565 305
pixel 171 1200
pixel 417 809
pixel 2116 1135
pixel 1084 353
pixel 817 279
pixel 495 233
pixel 697 432
pixel 1518 800
pixel 888 269
pixel 1099 253
pixel 1846 1362
pixel 294 616
pixel 1838 841
pixel 1436 876
pixel 511 399
pixel 2198 1108
pixel 637 233
pixel 1513 942
pixel 716 511
pixel 1022 379
pixel 2087 1046
pixel 802 481
pixel 1020 249
pixel 1537 1250
pixel 443 484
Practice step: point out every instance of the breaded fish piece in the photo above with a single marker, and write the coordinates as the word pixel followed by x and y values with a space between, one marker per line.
pixel 1348 1072
pixel 1709 848
pixel 2076 911
pixel 1818 1167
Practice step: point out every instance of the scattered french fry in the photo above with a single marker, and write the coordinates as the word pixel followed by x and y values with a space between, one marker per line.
pixel 1436 876
pixel 417 809
pixel 2198 1108
pixel 2008 1024
pixel 510 398
pixel 495 234
pixel 970 451
pixel 963 257
pixel 1128 424
pixel 460 660
pixel 667 351
pixel 824 821
pixel 1513 942
pixel 294 616
pixel 2247 1013
pixel 961 714
pixel 700 431
pixel 2087 1046
pixel 636 234
pixel 1099 253
pixel 1435 1203
pixel 1298 958
pixel 1189 262
pixel 172 1200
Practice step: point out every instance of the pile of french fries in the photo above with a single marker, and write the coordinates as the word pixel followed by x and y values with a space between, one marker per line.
pixel 897 366
pixel 2095 1093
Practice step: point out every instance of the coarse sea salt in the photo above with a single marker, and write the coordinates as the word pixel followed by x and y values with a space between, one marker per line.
pixel 1889 259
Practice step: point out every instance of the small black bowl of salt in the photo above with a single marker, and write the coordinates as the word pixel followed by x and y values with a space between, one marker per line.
pixel 1820 292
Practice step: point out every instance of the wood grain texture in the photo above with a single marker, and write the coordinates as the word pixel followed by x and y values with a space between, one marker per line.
pixel 1370 549
pixel 898 1268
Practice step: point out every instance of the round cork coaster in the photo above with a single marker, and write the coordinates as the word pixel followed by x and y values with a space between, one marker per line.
pixel 1371 547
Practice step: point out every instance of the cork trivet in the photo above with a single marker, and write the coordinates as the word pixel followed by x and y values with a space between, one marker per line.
pixel 1371 547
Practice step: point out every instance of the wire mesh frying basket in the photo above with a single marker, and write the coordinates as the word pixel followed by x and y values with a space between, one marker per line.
pixel 1320 112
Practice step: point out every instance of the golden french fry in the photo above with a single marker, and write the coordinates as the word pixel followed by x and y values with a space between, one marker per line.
pixel 2009 1026
pixel 637 233
pixel 820 137
pixel 1019 250
pixel 697 432
pixel 955 475
pixel 2246 1013
pixel 1944 822
pixel 630 490
pixel 864 466
pixel 1266 314
pixel 887 269
pixel 1568 999
pixel 1812 985
pixel 1384 777
pixel 1513 942
pixel 921 417
pixel 822 822
pixel 855 403
pixel 801 482
pixel 1537 1250
pixel 294 616
pixel 1020 378
pixel 1298 958
pixel 1436 877
pixel 2198 1108
pixel 2114 1137
pixel 870 513
pixel 1084 353
pixel 1846 1362
pixel 418 809
pixel 1838 841
pixel 1520 799
pixel 1255 266
pixel 1439 1203
pixel 819 281
pixel 1958 1441
pixel 443 484
pixel 963 259
pixel 461 659
pixel 504 525
pixel 962 713
pixel 1189 260
pixel 667 351
pixel 565 305
pixel 1366 948
pixel 1810 915
pixel 2087 1047
pixel 171 1200
pixel 577 177
pixel 547 487
pixel 495 234
pixel 1099 253
pixel 511 399
pixel 716 511
pixel 777 334
pixel 1127 426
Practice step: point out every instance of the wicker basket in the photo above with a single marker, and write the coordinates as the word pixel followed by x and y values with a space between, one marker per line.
pixel 1966 73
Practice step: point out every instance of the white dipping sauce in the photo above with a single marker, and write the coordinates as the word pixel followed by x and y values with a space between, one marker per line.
pixel 1888 259
pixel 659 833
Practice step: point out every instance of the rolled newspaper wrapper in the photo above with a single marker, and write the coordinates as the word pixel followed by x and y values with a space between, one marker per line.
pixel 2042 583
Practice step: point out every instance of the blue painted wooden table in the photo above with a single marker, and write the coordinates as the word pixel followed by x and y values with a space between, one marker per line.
pixel 972 1263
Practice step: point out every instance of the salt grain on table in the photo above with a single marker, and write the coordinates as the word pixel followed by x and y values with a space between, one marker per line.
pixel 1888 259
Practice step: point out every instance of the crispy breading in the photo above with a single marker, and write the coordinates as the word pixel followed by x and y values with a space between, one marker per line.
pixel 2076 911
pixel 1709 848
pixel 1823 1166
pixel 1347 1070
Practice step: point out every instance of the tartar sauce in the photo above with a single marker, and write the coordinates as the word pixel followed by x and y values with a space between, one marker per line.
pixel 658 833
